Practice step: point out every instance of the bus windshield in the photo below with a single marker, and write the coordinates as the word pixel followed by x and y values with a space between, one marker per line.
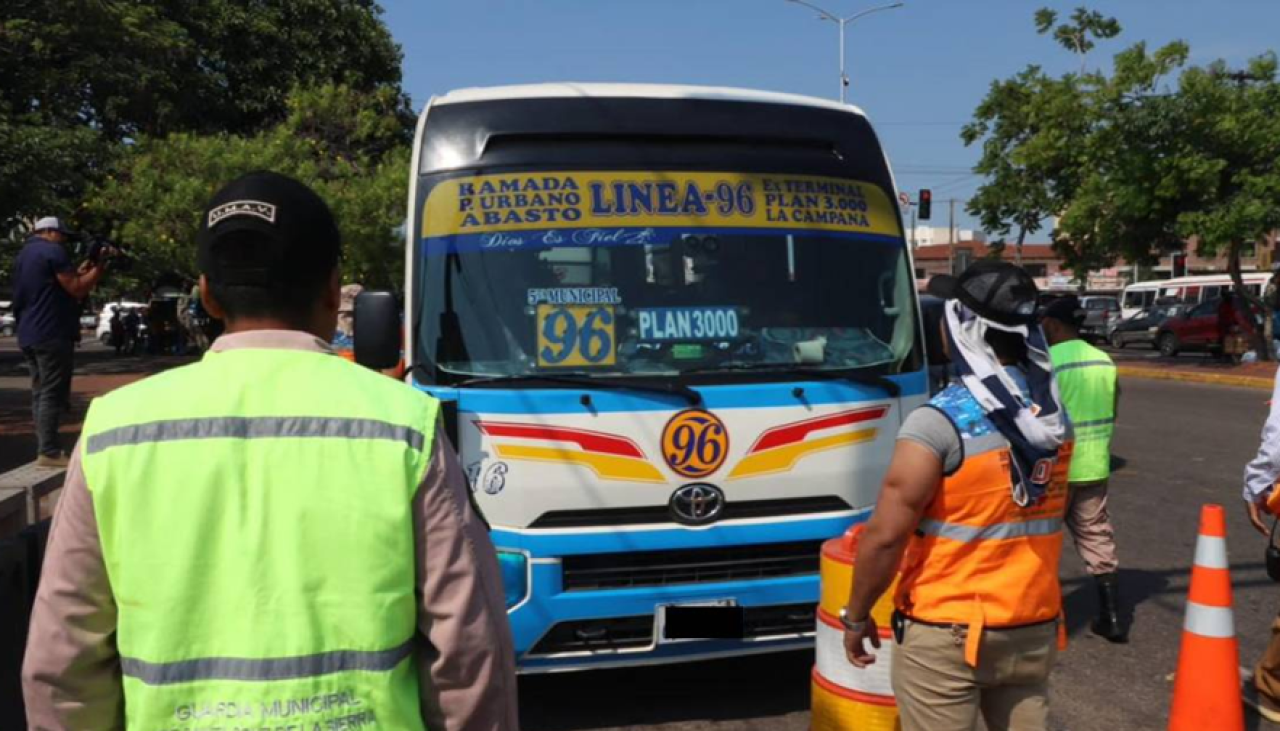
pixel 653 274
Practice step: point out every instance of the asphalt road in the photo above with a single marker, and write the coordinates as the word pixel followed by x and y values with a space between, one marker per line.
pixel 1177 447
pixel 1180 446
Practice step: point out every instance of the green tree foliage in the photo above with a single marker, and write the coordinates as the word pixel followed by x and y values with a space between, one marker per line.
pixel 1032 135
pixel 351 147
pixel 1034 130
pixel 80 77
pixel 44 170
pixel 1134 162
pixel 1079 36
pixel 1128 196
pixel 1229 125
pixel 1199 163
pixel 251 54
pixel 44 167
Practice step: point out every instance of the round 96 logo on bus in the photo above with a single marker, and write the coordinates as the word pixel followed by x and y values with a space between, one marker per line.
pixel 695 443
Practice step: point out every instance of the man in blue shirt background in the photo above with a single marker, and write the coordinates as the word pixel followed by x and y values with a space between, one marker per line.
pixel 47 291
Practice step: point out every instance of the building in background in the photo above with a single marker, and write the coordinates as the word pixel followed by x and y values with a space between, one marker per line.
pixel 938 235
pixel 1046 267
pixel 1039 260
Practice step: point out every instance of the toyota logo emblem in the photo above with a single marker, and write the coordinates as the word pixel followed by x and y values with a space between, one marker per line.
pixel 697 504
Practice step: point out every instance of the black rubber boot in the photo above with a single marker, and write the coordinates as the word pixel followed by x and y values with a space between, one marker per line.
pixel 1108 625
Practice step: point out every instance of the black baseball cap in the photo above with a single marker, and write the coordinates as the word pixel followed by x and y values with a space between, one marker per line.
pixel 1064 309
pixel 265 228
pixel 995 290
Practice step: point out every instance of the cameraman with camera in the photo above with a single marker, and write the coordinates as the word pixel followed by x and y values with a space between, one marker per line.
pixel 47 291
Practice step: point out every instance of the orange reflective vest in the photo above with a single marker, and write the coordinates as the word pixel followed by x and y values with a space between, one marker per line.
pixel 977 559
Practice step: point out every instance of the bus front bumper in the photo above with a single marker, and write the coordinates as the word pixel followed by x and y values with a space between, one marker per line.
pixel 581 610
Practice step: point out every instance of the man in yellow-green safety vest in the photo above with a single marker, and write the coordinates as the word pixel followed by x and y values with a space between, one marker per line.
pixel 1087 382
pixel 272 537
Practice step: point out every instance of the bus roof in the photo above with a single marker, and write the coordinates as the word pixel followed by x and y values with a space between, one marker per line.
pixel 1198 279
pixel 562 90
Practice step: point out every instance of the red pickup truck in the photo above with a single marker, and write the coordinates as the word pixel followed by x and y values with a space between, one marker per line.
pixel 1201 328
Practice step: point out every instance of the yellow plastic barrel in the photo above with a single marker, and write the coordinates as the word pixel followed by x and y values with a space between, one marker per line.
pixel 846 698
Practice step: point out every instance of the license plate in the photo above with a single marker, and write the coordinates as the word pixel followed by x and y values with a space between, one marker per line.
pixel 719 619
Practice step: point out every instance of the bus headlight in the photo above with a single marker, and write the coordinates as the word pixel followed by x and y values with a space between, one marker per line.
pixel 515 576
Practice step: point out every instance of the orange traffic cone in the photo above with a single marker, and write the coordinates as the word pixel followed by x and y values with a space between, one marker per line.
pixel 1206 689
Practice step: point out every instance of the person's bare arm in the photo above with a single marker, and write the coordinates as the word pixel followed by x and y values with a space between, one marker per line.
pixel 71 672
pixel 81 282
pixel 913 478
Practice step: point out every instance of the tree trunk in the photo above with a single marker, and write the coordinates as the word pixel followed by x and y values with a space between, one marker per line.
pixel 1017 252
pixel 1260 344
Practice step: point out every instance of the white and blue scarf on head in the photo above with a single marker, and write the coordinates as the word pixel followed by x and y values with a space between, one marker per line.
pixel 1035 429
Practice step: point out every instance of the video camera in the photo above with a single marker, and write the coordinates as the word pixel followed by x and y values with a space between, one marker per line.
pixel 100 250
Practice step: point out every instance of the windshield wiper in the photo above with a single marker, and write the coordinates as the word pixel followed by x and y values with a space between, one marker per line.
pixel 853 375
pixel 586 380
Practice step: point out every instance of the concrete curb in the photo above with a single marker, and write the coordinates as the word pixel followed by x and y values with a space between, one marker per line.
pixel 1170 374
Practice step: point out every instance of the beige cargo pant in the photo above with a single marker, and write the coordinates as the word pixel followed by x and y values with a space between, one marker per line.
pixel 1090 526
pixel 938 691
pixel 1266 676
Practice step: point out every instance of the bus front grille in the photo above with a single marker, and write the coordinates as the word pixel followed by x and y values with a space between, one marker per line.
pixel 636 633
pixel 658 514
pixel 690 566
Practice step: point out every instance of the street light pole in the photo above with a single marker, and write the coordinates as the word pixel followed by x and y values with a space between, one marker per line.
pixel 841 23
pixel 844 78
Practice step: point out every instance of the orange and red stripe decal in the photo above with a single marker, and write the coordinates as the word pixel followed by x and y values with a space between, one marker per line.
pixel 780 436
pixel 589 441
pixel 616 457
pixel 778 449
pixel 610 456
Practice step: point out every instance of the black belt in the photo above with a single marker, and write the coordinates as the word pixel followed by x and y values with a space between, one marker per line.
pixel 899 623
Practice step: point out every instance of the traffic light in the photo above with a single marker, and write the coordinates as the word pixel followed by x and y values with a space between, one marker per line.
pixel 1178 265
pixel 924 204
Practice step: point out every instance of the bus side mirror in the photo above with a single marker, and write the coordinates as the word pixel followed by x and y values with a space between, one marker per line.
pixel 377 330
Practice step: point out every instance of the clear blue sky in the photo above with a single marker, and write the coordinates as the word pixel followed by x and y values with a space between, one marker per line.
pixel 918 71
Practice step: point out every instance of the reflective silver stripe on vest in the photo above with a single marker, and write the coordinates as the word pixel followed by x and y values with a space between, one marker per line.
pixel 272 668
pixel 1084 364
pixel 999 531
pixel 1093 422
pixel 254 427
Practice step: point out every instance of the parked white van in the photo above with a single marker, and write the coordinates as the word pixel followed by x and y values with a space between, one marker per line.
pixel 1187 290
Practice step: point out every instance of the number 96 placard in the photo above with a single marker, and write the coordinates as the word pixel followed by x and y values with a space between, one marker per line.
pixel 578 336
